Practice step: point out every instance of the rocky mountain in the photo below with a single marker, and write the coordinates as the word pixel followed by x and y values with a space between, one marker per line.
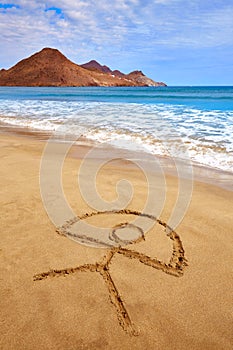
pixel 139 78
pixel 50 67
pixel 136 76
pixel 95 66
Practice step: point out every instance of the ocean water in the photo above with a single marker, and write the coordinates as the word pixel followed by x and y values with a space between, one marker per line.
pixel 183 122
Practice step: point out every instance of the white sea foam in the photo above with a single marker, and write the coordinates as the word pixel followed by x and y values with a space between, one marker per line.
pixel 173 130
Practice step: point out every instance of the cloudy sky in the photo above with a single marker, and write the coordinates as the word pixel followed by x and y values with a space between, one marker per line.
pixel 181 42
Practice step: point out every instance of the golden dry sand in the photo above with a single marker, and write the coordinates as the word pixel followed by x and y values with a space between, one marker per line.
pixel 126 301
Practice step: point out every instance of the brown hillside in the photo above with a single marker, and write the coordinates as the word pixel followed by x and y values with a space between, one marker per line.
pixel 94 65
pixel 141 80
pixel 50 67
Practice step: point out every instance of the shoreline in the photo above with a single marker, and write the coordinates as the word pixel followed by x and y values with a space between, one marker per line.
pixel 72 308
pixel 201 172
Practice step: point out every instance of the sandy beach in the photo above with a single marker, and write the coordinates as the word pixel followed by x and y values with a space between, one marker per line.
pixel 134 303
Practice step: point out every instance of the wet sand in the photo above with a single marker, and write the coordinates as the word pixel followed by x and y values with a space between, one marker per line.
pixel 122 298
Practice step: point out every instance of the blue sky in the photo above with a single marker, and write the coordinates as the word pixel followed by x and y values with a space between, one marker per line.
pixel 180 42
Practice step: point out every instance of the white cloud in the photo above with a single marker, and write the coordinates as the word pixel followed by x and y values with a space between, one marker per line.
pixel 124 26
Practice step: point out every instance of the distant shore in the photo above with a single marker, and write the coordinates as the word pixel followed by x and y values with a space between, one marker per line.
pixel 50 68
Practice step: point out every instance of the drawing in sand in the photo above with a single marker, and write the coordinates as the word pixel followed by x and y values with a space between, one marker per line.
pixel 174 267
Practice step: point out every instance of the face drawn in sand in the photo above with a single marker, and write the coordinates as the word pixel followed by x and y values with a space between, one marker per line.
pixel 120 235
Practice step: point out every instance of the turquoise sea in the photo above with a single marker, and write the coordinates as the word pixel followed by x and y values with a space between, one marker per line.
pixel 194 122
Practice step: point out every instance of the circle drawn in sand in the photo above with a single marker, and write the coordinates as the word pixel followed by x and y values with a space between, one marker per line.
pixel 122 233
